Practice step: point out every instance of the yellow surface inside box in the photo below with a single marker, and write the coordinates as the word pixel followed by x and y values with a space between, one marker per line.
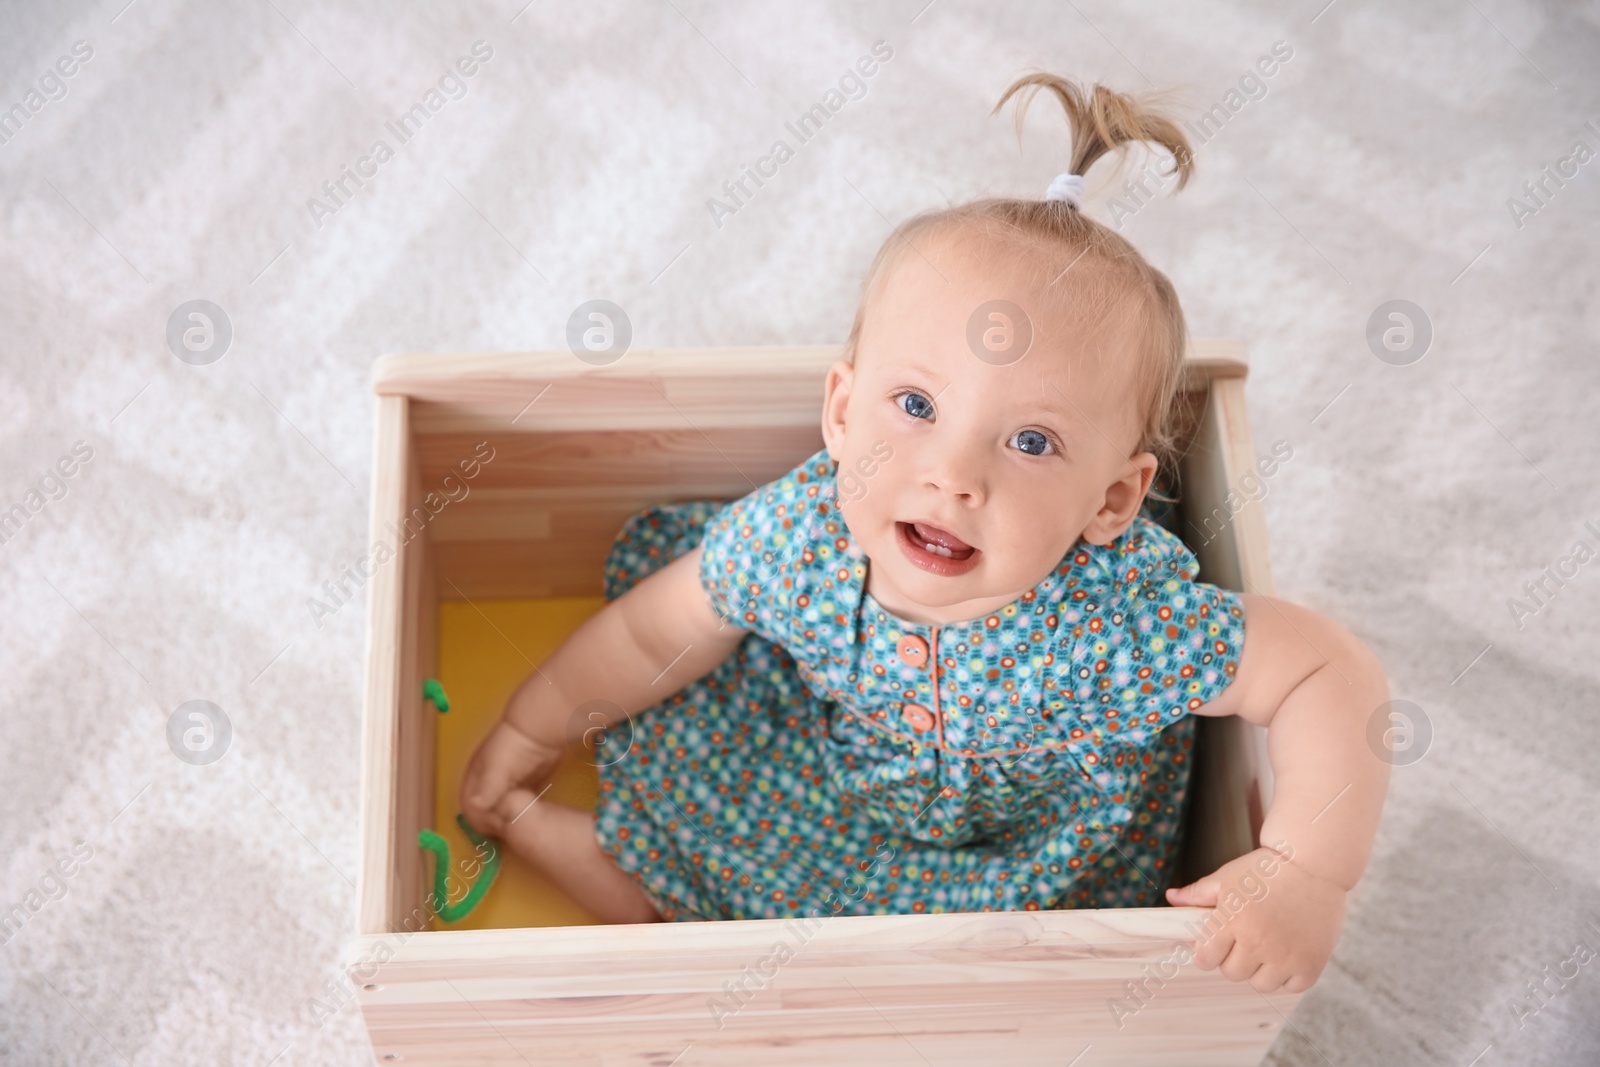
pixel 486 649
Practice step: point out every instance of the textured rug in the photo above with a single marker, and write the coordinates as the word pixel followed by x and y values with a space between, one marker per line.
pixel 177 488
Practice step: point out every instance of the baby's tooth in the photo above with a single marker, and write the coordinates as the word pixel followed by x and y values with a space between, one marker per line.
pixel 938 550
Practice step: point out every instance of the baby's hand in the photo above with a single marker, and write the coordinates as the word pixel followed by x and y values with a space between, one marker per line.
pixel 505 759
pixel 1275 923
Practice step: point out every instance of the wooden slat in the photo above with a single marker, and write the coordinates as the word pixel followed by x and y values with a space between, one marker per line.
pixel 386 628
pixel 402 648
pixel 539 518
pixel 1255 576
pixel 537 514
pixel 1232 547
pixel 1015 987
pixel 668 389
pixel 1232 782
pixel 1239 458
pixel 736 460
pixel 517 548
pixel 419 659
pixel 483 377
pixel 489 570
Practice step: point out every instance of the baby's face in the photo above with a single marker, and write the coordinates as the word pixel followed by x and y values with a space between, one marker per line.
pixel 966 479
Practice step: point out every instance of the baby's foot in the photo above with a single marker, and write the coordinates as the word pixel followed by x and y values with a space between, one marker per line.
pixel 518 804
pixel 526 818
pixel 560 842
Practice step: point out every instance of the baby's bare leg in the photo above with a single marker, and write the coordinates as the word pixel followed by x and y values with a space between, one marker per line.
pixel 560 841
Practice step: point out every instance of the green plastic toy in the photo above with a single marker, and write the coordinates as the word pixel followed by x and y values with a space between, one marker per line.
pixel 433 691
pixel 441 869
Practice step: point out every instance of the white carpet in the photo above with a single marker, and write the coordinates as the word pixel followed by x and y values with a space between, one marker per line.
pixel 575 163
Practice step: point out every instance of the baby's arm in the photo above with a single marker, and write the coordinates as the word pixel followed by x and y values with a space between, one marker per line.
pixel 1313 686
pixel 635 652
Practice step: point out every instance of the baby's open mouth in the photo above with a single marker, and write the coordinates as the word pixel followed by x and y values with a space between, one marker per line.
pixel 940 542
pixel 936 550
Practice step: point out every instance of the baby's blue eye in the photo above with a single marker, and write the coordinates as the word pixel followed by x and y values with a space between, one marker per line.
pixel 916 405
pixel 1032 442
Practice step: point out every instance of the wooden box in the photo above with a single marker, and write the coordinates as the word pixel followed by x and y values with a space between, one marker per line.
pixel 578 448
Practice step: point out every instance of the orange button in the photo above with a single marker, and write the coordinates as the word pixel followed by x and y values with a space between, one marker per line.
pixel 913 651
pixel 917 717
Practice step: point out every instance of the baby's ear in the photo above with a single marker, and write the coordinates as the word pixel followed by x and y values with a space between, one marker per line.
pixel 1123 497
pixel 835 402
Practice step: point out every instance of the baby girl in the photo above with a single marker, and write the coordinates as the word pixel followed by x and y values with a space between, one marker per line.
pixel 950 662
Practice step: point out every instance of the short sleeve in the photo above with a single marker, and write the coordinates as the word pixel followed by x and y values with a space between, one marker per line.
pixel 754 548
pixel 1150 643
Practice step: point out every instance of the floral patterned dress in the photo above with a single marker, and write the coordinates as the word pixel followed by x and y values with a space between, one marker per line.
pixel 846 761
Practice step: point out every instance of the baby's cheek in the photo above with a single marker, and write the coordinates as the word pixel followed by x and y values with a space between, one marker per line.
pixel 864 518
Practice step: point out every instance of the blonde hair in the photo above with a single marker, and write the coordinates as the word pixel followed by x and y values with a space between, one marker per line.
pixel 1114 284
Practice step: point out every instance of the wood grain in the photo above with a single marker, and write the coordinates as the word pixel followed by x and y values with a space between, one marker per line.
pixel 732 458
pixel 413 803
pixel 1012 987
pixel 1232 770
pixel 378 880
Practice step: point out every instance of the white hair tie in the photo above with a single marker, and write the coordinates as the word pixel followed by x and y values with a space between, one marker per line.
pixel 1068 187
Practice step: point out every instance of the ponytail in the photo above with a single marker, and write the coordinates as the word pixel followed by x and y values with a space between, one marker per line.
pixel 1102 121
